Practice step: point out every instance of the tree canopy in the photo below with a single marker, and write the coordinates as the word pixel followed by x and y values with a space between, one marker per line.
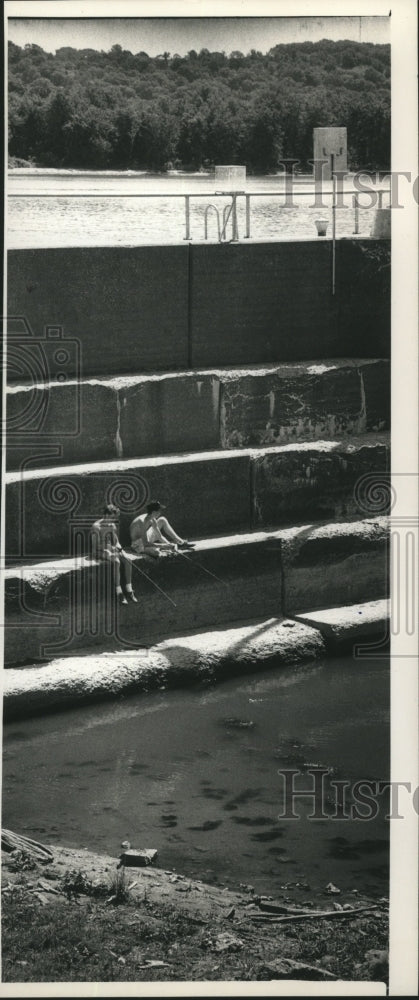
pixel 83 108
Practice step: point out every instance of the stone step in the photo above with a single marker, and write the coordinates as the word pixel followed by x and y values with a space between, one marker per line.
pixel 49 512
pixel 137 416
pixel 64 607
pixel 174 662
pixel 342 626
pixel 184 659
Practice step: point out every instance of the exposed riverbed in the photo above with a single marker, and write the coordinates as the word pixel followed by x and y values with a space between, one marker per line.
pixel 194 773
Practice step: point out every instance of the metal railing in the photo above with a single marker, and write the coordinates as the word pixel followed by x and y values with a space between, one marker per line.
pixel 230 210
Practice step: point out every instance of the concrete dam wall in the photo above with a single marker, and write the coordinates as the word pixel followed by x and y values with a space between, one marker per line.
pixel 155 308
pixel 228 381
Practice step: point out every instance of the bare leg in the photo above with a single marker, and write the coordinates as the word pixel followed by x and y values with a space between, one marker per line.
pixel 115 560
pixel 167 530
pixel 117 571
pixel 127 569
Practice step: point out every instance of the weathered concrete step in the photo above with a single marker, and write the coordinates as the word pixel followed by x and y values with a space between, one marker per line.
pixel 67 607
pixel 71 680
pixel 342 626
pixel 63 607
pixel 335 564
pixel 207 494
pixel 142 415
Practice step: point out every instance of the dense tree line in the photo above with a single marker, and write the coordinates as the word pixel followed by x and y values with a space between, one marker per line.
pixel 116 110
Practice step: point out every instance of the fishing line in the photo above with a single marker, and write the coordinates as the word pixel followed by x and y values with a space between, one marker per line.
pixel 141 571
pixel 204 570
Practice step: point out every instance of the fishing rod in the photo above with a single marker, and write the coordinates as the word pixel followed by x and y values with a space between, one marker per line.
pixel 194 563
pixel 141 571
pixel 204 570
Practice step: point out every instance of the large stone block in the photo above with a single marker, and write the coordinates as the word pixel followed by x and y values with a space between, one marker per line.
pixel 315 481
pixel 304 402
pixel 125 307
pixel 57 610
pixel 61 423
pixel 335 564
pixel 123 417
pixel 177 413
pixel 47 510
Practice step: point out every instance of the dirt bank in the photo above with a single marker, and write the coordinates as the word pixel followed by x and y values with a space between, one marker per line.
pixel 77 917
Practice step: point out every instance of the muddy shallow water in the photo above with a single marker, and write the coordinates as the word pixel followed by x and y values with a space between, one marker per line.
pixel 194 773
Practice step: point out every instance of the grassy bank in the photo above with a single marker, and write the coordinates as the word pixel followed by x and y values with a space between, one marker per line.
pixel 78 918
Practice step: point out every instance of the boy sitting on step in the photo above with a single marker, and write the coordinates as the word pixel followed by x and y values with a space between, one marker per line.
pixel 106 545
pixel 152 534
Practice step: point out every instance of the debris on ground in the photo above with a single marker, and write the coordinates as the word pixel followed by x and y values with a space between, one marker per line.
pixel 333 889
pixel 137 859
pixel 161 929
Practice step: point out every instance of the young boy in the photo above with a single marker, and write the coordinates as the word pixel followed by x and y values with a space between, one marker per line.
pixel 106 545
pixel 152 534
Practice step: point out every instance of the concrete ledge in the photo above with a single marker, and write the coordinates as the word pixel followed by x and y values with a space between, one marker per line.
pixel 187 659
pixel 343 625
pixel 143 415
pixel 337 564
pixel 63 607
pixel 211 493
pixel 316 480
pixel 67 608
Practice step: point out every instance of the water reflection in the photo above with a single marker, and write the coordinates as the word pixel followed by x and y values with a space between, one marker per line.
pixel 194 773
pixel 69 221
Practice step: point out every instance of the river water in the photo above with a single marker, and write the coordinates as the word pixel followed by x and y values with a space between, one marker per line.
pixel 52 208
pixel 195 774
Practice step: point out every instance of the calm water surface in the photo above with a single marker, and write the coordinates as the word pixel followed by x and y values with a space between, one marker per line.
pixel 194 773
pixel 64 220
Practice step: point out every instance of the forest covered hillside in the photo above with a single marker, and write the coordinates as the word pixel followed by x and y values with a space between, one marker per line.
pixel 89 109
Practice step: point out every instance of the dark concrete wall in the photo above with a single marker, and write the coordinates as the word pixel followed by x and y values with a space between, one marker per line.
pixel 163 416
pixel 143 308
pixel 363 294
pixel 127 306
pixel 313 484
pixel 261 302
pixel 273 302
